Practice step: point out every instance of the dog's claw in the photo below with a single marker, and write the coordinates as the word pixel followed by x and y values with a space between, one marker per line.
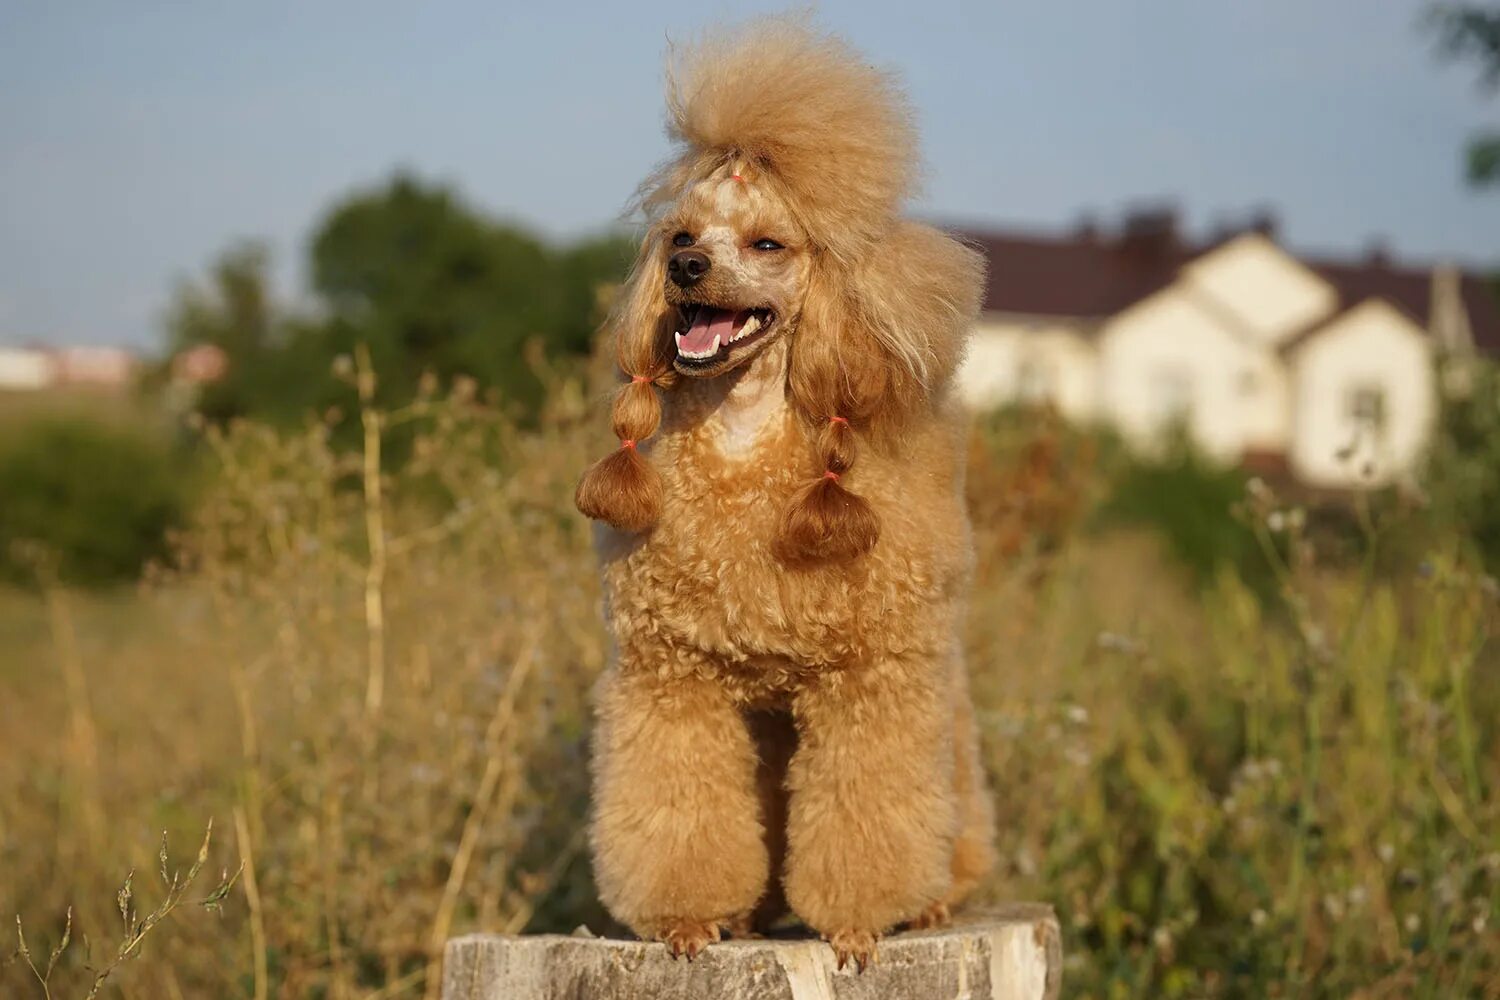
pixel 936 915
pixel 854 946
pixel 689 937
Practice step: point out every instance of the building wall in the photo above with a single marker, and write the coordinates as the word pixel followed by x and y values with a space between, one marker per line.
pixel 1374 350
pixel 1015 360
pixel 1168 359
pixel 1264 393
pixel 23 368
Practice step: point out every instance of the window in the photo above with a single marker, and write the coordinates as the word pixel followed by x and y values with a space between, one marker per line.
pixel 1033 385
pixel 1367 409
pixel 1171 395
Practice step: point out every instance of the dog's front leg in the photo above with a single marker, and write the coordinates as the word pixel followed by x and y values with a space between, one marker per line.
pixel 872 816
pixel 676 835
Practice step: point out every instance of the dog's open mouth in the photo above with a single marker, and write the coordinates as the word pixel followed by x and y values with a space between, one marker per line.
pixel 707 333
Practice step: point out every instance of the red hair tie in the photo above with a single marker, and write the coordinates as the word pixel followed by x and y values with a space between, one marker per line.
pixel 737 177
pixel 639 378
pixel 627 443
pixel 838 420
pixel 830 474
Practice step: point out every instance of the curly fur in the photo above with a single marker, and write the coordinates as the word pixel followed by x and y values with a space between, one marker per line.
pixel 787 716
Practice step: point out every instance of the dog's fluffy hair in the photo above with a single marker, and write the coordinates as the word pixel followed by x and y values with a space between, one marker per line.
pixel 788 707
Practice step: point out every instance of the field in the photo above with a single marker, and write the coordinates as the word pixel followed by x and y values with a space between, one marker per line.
pixel 369 669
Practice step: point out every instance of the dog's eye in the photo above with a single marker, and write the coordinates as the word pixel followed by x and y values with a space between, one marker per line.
pixel 765 244
pixel 682 240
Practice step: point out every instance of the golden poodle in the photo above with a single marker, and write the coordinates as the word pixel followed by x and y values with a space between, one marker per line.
pixel 786 554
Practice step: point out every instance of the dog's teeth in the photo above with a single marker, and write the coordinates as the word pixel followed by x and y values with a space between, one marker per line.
pixel 751 325
pixel 679 341
pixel 714 349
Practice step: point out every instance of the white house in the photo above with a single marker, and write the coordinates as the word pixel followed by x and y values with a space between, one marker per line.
pixel 1327 367
pixel 26 368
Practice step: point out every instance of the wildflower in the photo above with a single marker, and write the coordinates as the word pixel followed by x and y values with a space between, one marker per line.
pixel 1357 896
pixel 1117 643
pixel 1077 714
pixel 1276 520
pixel 1257 917
pixel 1334 907
pixel 1385 852
pixel 1411 923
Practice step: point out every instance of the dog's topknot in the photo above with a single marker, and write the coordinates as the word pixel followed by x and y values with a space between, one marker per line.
pixel 834 131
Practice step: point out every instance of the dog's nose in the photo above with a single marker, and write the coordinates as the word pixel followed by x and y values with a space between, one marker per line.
pixel 687 267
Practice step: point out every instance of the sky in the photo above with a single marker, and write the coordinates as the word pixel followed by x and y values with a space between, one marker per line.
pixel 139 140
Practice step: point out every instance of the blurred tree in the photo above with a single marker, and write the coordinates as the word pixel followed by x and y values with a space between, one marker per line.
pixel 1463 474
pixel 432 286
pixel 429 284
pixel 1472 31
pixel 232 311
pixel 94 500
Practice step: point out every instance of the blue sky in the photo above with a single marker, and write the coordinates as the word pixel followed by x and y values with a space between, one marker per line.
pixel 139 139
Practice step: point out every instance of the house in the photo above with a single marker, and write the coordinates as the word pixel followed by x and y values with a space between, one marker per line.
pixel 1327 367
pixel 26 368
pixel 39 367
pixel 199 365
pixel 95 366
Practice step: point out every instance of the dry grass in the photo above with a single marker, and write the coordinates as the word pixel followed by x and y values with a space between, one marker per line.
pixel 376 679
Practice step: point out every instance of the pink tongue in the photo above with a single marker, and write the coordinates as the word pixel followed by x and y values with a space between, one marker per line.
pixel 700 337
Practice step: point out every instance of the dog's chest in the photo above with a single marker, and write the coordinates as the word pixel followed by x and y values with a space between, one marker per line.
pixel 740 425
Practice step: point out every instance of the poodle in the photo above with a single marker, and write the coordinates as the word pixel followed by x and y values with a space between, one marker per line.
pixel 786 720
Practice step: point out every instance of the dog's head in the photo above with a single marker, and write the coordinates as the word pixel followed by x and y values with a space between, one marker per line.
pixel 735 265
pixel 779 218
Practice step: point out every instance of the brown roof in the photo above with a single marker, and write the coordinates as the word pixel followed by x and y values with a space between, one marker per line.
pixel 1091 275
pixel 1410 290
pixel 1083 276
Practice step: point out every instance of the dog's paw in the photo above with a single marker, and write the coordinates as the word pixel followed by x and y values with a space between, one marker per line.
pixel 689 937
pixel 742 927
pixel 936 915
pixel 854 946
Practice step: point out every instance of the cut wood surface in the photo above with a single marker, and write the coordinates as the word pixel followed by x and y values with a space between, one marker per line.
pixel 1008 953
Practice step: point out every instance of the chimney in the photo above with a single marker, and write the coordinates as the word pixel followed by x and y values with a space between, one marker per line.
pixel 1378 253
pixel 1447 319
pixel 1263 221
pixel 1086 228
pixel 1150 230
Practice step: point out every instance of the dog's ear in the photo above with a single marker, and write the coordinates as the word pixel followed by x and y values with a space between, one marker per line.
pixel 881 337
pixel 623 488
pixel 877 344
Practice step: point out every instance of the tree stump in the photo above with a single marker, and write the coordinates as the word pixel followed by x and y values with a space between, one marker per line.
pixel 1011 953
